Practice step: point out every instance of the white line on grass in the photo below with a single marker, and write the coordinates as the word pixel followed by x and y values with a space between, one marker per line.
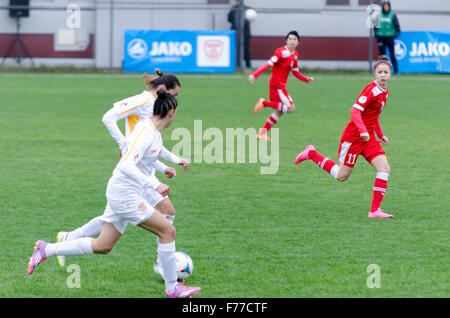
pixel 406 77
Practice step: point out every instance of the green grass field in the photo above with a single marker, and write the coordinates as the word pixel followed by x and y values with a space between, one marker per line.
pixel 296 233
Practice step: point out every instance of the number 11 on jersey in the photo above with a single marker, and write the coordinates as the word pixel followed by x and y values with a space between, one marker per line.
pixel 351 159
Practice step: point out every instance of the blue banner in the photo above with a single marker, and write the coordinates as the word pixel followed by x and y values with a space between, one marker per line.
pixel 180 51
pixel 423 52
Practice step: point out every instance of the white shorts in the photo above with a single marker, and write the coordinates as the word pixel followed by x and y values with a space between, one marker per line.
pixel 153 197
pixel 134 210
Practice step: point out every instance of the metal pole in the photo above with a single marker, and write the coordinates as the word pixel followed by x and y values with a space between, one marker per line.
pixel 241 24
pixel 370 50
pixel 111 47
pixel 238 37
pixel 371 42
pixel 18 55
pixel 95 34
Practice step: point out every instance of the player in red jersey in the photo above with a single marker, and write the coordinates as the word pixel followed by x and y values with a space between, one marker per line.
pixel 359 138
pixel 283 62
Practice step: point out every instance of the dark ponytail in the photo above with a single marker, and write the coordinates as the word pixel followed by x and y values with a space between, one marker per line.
pixel 169 80
pixel 164 103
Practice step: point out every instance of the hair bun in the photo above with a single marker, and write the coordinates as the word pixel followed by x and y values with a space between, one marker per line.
pixel 159 72
pixel 162 93
pixel 382 58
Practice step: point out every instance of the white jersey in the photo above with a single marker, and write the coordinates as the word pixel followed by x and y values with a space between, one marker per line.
pixel 133 174
pixel 134 109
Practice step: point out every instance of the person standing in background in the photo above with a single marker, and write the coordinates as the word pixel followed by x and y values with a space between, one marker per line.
pixel 233 16
pixel 388 30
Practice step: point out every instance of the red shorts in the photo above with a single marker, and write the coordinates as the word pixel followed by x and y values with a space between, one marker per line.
pixel 350 150
pixel 280 95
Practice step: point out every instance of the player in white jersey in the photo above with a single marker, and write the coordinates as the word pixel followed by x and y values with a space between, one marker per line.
pixel 126 202
pixel 136 109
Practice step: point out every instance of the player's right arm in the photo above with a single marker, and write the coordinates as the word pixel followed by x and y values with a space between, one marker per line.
pixel 364 99
pixel 120 110
pixel 273 60
pixel 140 141
pixel 110 119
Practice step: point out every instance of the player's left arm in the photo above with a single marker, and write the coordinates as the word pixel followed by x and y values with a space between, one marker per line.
pixel 170 172
pixel 383 138
pixel 171 157
pixel 300 76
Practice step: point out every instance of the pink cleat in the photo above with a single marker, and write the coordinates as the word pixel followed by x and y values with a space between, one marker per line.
pixel 263 137
pixel 304 155
pixel 378 213
pixel 38 256
pixel 182 291
pixel 259 106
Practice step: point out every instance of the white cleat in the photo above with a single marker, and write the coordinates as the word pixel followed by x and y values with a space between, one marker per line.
pixel 61 237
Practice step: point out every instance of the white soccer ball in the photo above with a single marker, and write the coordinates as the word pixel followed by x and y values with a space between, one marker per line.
pixel 184 266
pixel 250 14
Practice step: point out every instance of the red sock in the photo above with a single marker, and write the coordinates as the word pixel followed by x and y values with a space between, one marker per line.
pixel 272 120
pixel 379 188
pixel 325 163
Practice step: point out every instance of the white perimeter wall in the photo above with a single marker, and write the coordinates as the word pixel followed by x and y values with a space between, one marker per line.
pixel 311 17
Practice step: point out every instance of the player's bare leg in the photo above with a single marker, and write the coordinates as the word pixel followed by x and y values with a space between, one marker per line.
pixel 106 240
pixel 166 208
pixel 291 108
pixel 344 172
pixel 165 231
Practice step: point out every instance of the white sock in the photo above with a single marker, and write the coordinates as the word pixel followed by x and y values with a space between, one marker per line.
pixel 81 246
pixel 169 218
pixel 334 171
pixel 90 229
pixel 166 254
pixel 383 176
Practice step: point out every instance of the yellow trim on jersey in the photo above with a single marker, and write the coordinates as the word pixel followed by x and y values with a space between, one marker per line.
pixel 134 144
pixel 135 107
pixel 132 121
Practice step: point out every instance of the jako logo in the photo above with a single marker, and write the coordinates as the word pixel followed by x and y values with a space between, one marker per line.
pixel 137 48
pixel 171 49
pixel 429 49
pixel 400 49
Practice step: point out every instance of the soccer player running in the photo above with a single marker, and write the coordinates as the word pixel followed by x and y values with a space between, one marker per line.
pixel 283 62
pixel 359 138
pixel 134 110
pixel 126 203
